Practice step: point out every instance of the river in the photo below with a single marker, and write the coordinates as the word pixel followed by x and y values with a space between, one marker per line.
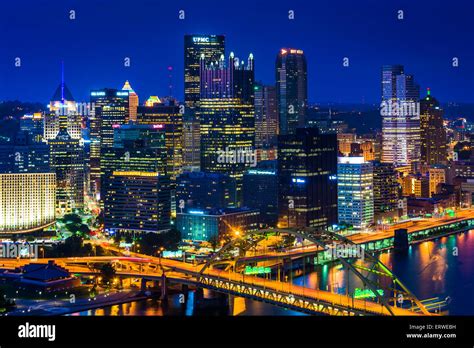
pixel 441 268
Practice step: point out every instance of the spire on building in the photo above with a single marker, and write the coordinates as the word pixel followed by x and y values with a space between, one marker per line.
pixel 62 93
pixel 127 87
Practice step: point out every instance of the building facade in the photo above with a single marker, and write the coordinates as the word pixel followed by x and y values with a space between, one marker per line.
pixel 27 202
pixel 307 179
pixel 400 112
pixel 433 133
pixel 227 118
pixel 291 89
pixel 209 48
pixel 266 116
pixel 355 192
pixel 206 225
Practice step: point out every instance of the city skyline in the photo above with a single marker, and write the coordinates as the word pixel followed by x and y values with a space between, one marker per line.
pixel 326 45
pixel 238 159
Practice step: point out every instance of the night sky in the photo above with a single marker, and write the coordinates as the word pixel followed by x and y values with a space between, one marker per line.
pixel 94 45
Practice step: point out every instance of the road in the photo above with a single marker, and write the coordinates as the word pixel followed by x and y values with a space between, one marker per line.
pixel 262 288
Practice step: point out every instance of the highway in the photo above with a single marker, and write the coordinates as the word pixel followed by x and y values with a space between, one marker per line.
pixel 228 282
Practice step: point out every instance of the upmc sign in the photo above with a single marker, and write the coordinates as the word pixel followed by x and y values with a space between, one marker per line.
pixel 200 39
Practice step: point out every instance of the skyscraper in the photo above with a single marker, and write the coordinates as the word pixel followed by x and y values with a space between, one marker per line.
pixel 34 125
pixel 210 48
pixel 62 105
pixel 433 134
pixel 67 161
pixel 385 189
pixel 109 107
pixel 170 117
pixel 137 202
pixel 355 194
pixel 133 101
pixel 66 150
pixel 291 89
pixel 22 154
pixel 307 179
pixel 260 191
pixel 227 118
pixel 204 190
pixel 135 185
pixel 266 116
pixel 400 117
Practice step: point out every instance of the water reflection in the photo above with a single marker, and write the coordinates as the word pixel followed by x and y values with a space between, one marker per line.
pixel 440 268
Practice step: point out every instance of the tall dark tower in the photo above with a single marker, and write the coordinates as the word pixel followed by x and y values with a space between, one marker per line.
pixel 212 48
pixel 307 179
pixel 228 118
pixel 266 116
pixel 110 109
pixel 292 89
pixel 433 134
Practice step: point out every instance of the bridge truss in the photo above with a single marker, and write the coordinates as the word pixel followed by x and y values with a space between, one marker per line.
pixel 387 288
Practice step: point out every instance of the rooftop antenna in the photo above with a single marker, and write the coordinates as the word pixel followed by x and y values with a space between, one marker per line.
pixel 170 80
pixel 62 81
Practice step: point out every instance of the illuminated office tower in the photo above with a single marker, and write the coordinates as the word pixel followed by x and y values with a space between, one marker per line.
pixel 27 202
pixel 266 116
pixel 135 186
pixel 307 181
pixel 291 89
pixel 167 114
pixel 66 150
pixel 227 118
pixel 138 148
pixel 260 191
pixel 437 176
pixel 385 189
pixel 109 107
pixel 133 101
pixel 22 154
pixel 67 161
pixel 416 185
pixel 62 104
pixel 433 134
pixel 204 190
pixel 400 117
pixel 355 194
pixel 137 202
pixel 34 125
pixel 211 48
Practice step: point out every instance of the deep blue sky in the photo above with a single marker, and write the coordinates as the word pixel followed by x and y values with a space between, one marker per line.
pixel 94 45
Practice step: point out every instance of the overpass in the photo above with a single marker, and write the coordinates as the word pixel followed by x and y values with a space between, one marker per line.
pixel 418 230
pixel 278 293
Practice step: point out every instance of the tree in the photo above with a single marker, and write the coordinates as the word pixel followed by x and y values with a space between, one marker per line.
pixel 214 242
pixel 5 303
pixel 107 272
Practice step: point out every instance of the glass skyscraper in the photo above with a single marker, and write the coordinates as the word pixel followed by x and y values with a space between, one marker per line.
pixel 433 134
pixel 307 182
pixel 291 89
pixel 209 48
pixel 400 117
pixel 227 118
pixel 135 186
pixel 355 194
pixel 266 116
pixel 109 107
